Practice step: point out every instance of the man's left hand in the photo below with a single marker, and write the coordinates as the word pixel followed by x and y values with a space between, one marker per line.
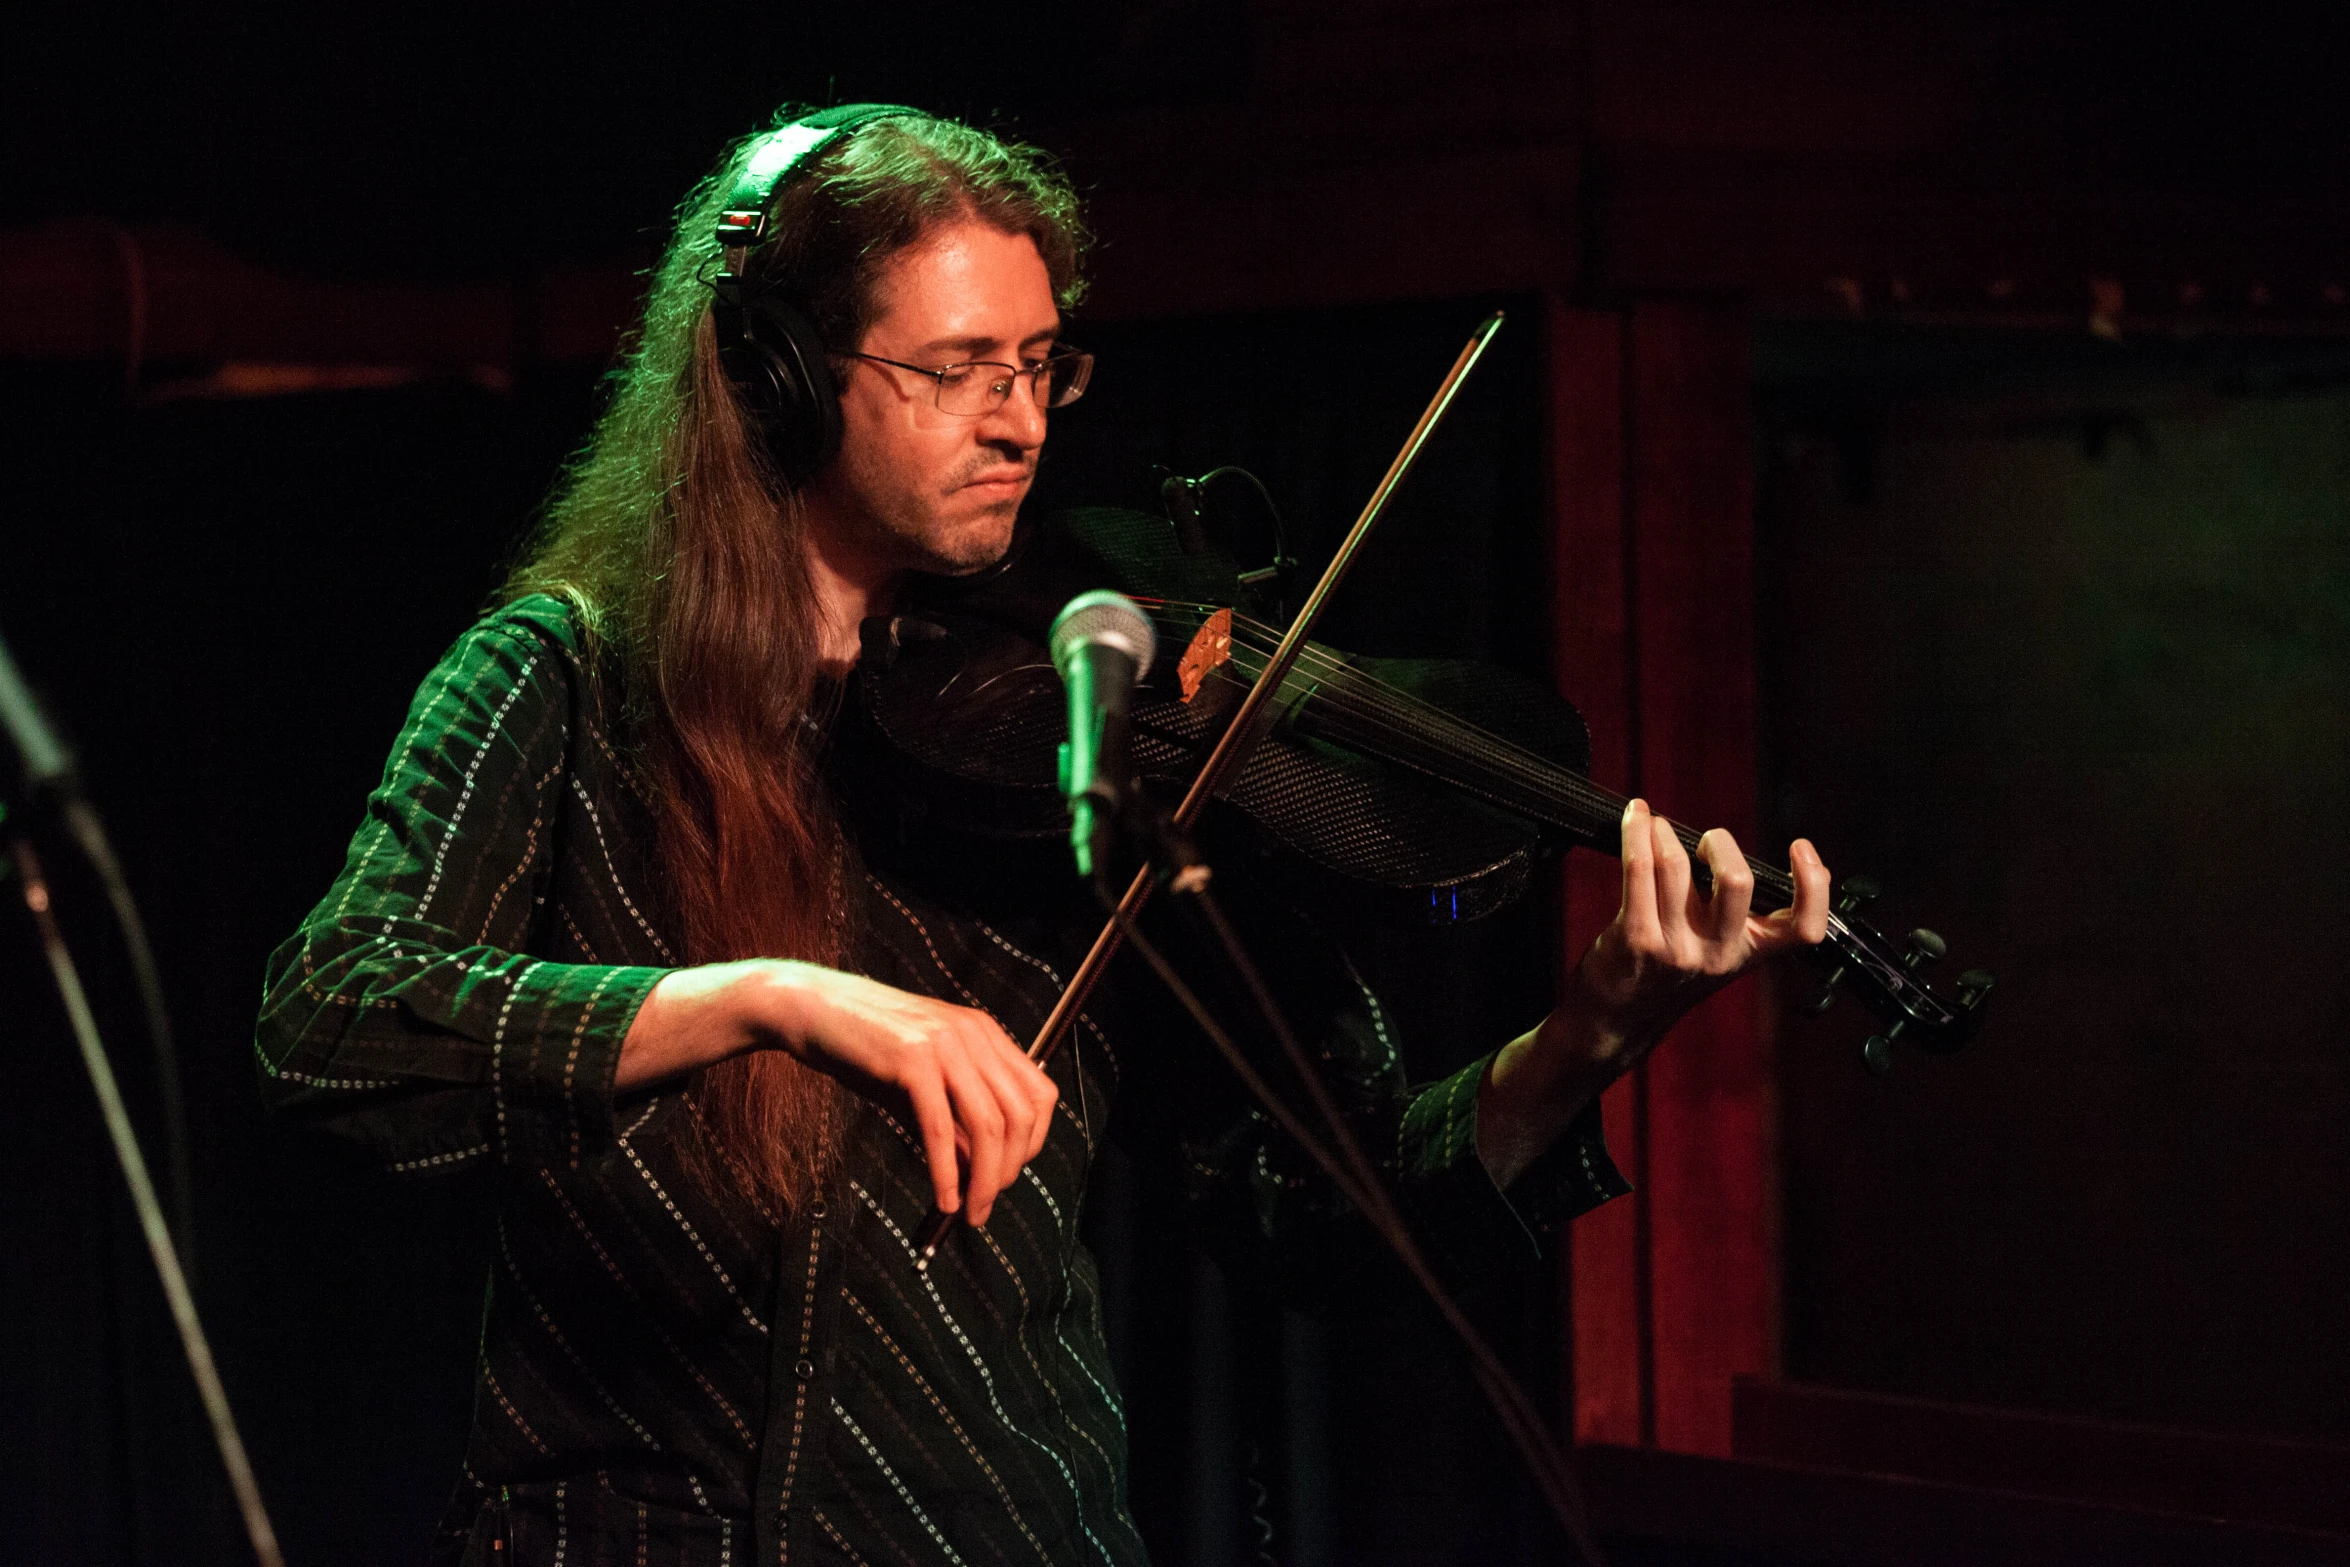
pixel 1669 947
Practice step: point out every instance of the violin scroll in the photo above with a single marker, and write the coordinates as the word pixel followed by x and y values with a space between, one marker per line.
pixel 1891 982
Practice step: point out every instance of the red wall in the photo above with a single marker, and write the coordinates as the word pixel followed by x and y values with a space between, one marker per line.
pixel 1674 1290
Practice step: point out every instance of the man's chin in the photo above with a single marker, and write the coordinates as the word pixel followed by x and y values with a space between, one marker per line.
pixel 972 544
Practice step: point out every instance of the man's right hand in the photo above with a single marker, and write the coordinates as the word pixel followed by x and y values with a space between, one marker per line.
pixel 982 1107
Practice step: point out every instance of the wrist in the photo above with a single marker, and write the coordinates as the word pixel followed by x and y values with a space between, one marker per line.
pixel 778 1002
pixel 698 1017
pixel 1579 1049
pixel 1540 1081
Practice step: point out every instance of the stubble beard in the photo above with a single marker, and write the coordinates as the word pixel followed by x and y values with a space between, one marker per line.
pixel 973 543
pixel 929 533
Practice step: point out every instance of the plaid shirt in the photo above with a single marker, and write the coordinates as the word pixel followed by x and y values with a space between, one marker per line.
pixel 668 1372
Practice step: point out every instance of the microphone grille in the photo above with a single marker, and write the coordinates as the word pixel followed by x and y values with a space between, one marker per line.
pixel 1104 619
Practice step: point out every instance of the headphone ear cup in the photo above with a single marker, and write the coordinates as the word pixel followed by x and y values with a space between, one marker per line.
pixel 790 381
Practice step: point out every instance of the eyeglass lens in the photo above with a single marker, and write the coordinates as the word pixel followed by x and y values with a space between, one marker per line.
pixel 978 388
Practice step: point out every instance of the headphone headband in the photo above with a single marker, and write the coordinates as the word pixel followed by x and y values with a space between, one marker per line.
pixel 743 221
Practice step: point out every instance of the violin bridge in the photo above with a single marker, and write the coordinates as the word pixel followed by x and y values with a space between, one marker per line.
pixel 1210 650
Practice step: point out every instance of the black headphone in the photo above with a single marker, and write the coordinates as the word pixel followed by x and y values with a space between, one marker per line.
pixel 772 353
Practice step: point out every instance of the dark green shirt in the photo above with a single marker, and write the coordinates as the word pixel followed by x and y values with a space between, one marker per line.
pixel 669 1373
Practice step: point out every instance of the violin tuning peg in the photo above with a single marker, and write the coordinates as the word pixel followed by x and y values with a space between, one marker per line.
pixel 1855 891
pixel 1825 997
pixel 1925 947
pixel 1876 1051
pixel 1975 984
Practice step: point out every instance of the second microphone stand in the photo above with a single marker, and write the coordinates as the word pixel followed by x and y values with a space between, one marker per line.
pixel 1174 864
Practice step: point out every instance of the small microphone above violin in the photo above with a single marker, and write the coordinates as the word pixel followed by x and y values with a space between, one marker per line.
pixel 1185 502
pixel 1180 497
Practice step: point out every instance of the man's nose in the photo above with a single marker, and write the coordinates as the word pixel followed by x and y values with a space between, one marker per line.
pixel 1017 420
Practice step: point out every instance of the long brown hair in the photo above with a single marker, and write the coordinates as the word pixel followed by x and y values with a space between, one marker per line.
pixel 683 555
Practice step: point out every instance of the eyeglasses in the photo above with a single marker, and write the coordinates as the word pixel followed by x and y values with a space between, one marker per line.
pixel 983 385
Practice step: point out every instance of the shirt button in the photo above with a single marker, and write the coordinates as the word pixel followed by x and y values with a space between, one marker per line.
pixel 804 1369
pixel 816 1209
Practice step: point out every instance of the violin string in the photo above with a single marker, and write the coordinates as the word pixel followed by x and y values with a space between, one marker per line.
pixel 1408 716
pixel 1407 719
pixel 1406 723
pixel 1512 778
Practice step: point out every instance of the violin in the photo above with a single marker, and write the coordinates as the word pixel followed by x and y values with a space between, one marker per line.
pixel 1431 787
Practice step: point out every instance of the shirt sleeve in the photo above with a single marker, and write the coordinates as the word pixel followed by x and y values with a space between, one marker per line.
pixel 407 1015
pixel 1437 1160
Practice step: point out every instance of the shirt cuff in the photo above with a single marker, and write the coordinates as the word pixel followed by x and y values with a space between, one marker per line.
pixel 553 1055
pixel 1464 1213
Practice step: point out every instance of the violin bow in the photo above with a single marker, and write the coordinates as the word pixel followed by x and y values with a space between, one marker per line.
pixel 1239 739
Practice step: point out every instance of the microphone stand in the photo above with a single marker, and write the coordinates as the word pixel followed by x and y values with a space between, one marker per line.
pixel 1188 877
pixel 49 779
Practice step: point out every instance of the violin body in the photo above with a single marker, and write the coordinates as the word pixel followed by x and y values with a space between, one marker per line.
pixel 959 684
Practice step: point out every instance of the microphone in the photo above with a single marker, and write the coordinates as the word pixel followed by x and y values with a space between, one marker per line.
pixel 1101 645
pixel 44 766
pixel 1180 496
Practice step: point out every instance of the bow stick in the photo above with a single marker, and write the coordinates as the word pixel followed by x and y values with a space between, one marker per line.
pixel 1240 735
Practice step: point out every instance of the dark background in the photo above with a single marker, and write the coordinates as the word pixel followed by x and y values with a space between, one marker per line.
pixel 2083 604
pixel 2051 626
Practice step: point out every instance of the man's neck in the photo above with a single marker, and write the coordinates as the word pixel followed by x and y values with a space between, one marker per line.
pixel 850 583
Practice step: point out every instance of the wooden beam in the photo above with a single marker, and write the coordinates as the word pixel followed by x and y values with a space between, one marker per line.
pixel 164 296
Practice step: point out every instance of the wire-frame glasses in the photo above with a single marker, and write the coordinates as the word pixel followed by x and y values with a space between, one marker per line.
pixel 982 385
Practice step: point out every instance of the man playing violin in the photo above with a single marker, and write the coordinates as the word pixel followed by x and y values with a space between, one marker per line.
pixel 603 929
